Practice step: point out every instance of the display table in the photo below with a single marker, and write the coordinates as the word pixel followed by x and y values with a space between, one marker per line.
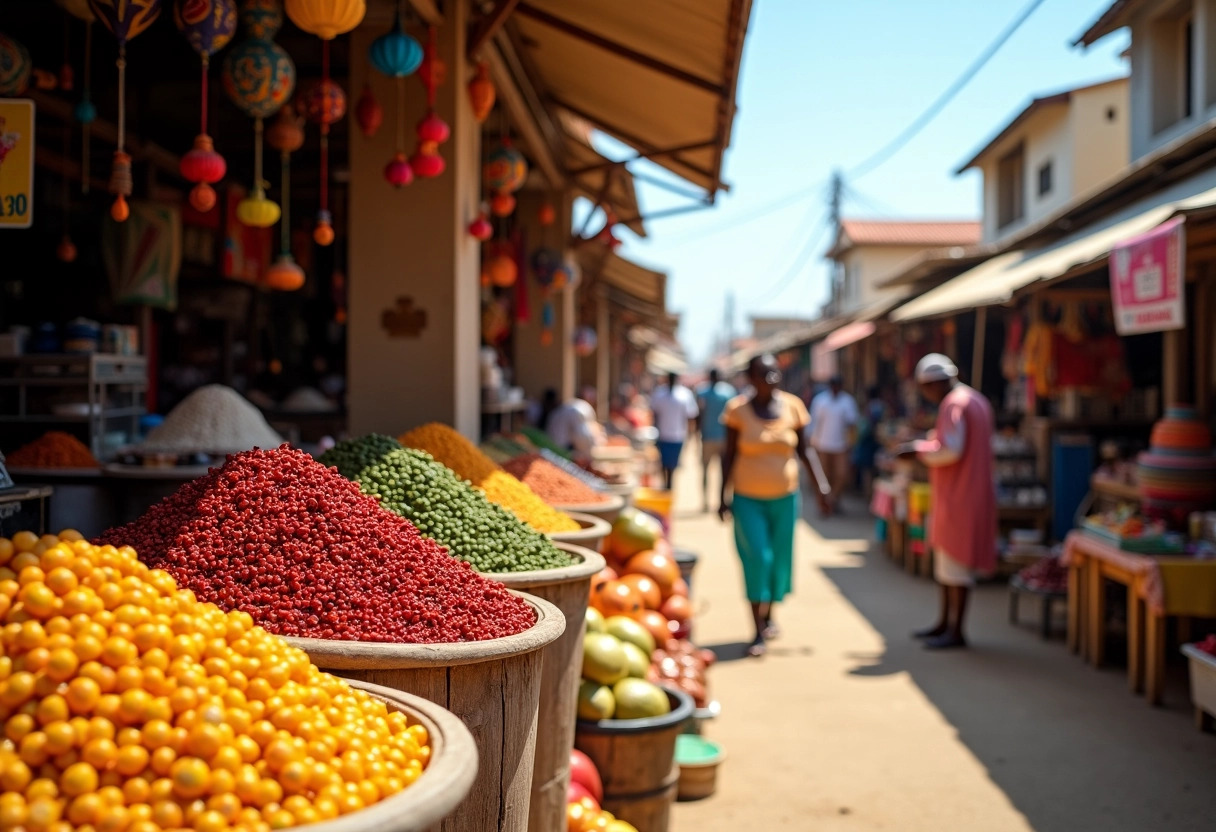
pixel 1158 586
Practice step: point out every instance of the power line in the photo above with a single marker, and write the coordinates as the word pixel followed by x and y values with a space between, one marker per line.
pixel 813 240
pixel 897 144
pixel 760 212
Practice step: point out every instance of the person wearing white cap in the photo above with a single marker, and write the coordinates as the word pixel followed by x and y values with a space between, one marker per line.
pixel 962 523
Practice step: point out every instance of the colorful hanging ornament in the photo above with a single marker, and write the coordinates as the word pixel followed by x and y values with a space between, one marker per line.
pixel 256 210
pixel 433 71
pixel 506 169
pixel 285 135
pixel 481 228
pixel 547 215
pixel 326 18
pixel 545 262
pixel 585 341
pixel 15 67
pixel 125 19
pixel 432 130
pixel 368 112
pixel 398 172
pixel 503 270
pixel 546 321
pixel 482 93
pixel 502 205
pixel 208 26
pixel 395 53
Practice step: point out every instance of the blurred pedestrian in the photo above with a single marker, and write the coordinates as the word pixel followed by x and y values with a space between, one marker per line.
pixel 712 398
pixel 765 441
pixel 866 451
pixel 962 526
pixel 833 426
pixel 675 413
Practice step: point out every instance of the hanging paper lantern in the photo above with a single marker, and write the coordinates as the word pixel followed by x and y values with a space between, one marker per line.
pixel 286 133
pixel 545 262
pixel 201 164
pixel 126 18
pixel 481 229
pixel 547 214
pixel 585 341
pixel 368 112
pixel 502 270
pixel 207 24
pixel 398 172
pixel 505 169
pixel 502 205
pixel 15 67
pixel 395 53
pixel 323 102
pixel 284 274
pixel 482 93
pixel 433 129
pixel 432 72
pixel 427 162
pixel 326 18
pixel 257 211
pixel 259 76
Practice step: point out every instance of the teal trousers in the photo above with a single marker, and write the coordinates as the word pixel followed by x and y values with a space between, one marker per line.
pixel 764 536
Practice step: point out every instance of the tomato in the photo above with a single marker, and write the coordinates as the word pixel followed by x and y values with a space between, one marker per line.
pixel 584 773
pixel 577 793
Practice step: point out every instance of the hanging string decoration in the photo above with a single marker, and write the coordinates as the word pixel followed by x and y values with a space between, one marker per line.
pixel 398 56
pixel 368 112
pixel 482 93
pixel 85 111
pixel 504 173
pixel 125 19
pixel 285 135
pixel 546 322
pixel 15 67
pixel 208 26
pixel 432 130
pixel 326 103
pixel 259 77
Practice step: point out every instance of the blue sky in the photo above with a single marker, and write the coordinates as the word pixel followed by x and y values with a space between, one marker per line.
pixel 824 85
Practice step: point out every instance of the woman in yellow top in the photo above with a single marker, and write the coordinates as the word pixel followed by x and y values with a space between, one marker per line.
pixel 764 444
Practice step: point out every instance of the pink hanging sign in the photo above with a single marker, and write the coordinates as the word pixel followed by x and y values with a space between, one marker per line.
pixel 1148 280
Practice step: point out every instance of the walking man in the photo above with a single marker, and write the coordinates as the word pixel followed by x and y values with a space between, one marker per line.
pixel 833 423
pixel 675 412
pixel 962 528
pixel 711 401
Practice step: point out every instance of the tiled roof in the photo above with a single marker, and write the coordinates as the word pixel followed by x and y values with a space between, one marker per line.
pixel 908 233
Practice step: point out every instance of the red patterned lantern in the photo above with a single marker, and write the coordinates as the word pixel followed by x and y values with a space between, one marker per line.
pixel 502 205
pixel 368 112
pixel 201 164
pixel 398 172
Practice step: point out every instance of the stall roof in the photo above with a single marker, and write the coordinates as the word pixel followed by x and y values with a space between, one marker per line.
pixel 1115 17
pixel 999 279
pixel 937 233
pixel 590 172
pixel 620 68
pixel 661 360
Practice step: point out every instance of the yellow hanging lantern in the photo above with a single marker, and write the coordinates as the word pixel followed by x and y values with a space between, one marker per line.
pixel 257 211
pixel 326 18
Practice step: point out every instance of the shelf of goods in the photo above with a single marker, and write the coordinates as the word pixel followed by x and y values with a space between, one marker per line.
pixel 106 393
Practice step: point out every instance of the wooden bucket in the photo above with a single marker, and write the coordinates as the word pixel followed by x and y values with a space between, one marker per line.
pixel 592 531
pixel 567 589
pixel 636 761
pixel 606 511
pixel 492 686
pixel 443 785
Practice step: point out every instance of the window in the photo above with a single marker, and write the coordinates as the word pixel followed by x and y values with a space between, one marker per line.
pixel 1171 68
pixel 1010 187
pixel 1045 178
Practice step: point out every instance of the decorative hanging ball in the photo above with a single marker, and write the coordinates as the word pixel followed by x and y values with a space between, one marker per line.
pixel 426 162
pixel 121 186
pixel 15 67
pixel 126 18
pixel 481 228
pixel 585 341
pixel 546 338
pixel 395 53
pixel 326 18
pixel 284 274
pixel 502 205
pixel 433 129
pixel 547 315
pixel 561 277
pixel 545 262
pixel 286 133
pixel 502 270
pixel 398 172
pixel 505 169
pixel 257 211
pixel 203 166
pixel 207 24
pixel 258 75
pixel 323 232
pixel 84 111
pixel 66 251
pixel 482 93
pixel 547 215
pixel 368 112
pixel 323 102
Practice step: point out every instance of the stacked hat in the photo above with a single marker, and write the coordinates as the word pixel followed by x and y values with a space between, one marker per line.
pixel 1177 474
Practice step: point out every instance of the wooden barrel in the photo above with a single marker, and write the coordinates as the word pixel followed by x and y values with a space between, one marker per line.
pixel 443 785
pixel 567 589
pixel 606 511
pixel 492 686
pixel 592 530
pixel 636 761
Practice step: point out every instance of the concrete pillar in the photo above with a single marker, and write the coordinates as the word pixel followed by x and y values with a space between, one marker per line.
pixel 412 243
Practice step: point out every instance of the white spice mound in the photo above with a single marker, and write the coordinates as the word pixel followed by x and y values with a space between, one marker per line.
pixel 213 419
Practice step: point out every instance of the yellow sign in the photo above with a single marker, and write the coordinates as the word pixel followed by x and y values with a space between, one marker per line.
pixel 16 163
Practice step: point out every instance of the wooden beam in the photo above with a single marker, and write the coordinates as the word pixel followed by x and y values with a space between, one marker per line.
pixel 740 11
pixel 489 26
pixel 648 61
pixel 645 154
pixel 664 214
pixel 428 11
pixel 527 114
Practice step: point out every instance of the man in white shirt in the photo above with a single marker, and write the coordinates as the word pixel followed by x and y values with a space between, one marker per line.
pixel 834 419
pixel 675 411
pixel 573 426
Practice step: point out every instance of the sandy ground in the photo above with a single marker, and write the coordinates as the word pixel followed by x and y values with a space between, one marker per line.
pixel 849 724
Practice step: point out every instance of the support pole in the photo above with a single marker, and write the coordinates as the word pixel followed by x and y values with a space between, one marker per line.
pixel 977 356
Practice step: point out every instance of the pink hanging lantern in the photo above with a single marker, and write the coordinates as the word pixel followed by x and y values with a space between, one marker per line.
pixel 481 228
pixel 398 172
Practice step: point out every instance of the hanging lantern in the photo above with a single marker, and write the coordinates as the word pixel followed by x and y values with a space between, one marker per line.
pixel 286 135
pixel 482 93
pixel 208 26
pixel 432 72
pixel 15 67
pixel 258 74
pixel 547 215
pixel 561 277
pixel 202 165
pixel 323 102
pixel 84 111
pixel 585 341
pixel 433 129
pixel 505 169
pixel 326 18
pixel 502 205
pixel 368 112
pixel 395 53
pixel 125 19
pixel 257 211
pixel 502 270
pixel 427 163
pixel 398 172
pixel 546 322
pixel 285 274
pixel 481 229
pixel 545 262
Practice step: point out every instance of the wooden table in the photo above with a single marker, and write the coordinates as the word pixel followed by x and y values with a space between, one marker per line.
pixel 1158 587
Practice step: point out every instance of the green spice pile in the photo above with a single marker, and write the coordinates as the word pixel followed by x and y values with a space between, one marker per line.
pixel 443 507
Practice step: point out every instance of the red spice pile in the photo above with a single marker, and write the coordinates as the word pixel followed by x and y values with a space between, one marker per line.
pixel 294 544
pixel 554 485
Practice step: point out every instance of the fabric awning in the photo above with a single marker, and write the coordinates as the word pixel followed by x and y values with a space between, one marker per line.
pixel 848 334
pixel 622 68
pixel 661 360
pixel 629 284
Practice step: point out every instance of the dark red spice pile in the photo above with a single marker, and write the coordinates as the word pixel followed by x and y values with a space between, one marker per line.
pixel 295 545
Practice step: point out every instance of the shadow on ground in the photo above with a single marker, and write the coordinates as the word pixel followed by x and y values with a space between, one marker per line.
pixel 1048 728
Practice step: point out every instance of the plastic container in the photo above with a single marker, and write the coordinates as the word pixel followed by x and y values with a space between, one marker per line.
pixel 698 759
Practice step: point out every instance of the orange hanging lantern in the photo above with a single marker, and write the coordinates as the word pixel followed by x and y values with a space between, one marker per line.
pixel 326 18
pixel 502 270
pixel 482 93
pixel 502 205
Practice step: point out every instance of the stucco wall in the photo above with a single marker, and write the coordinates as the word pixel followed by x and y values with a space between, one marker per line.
pixel 1045 136
pixel 874 265
pixel 1101 145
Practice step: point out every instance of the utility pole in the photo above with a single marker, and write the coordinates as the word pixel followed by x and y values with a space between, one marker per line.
pixel 729 323
pixel 836 198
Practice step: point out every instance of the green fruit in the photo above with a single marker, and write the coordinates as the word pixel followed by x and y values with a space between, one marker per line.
pixel 593 620
pixel 604 659
pixel 626 629
pixel 639 662
pixel 595 701
pixel 638 699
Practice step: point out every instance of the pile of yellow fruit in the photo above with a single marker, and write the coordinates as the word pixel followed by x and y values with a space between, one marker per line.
pixel 129 706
